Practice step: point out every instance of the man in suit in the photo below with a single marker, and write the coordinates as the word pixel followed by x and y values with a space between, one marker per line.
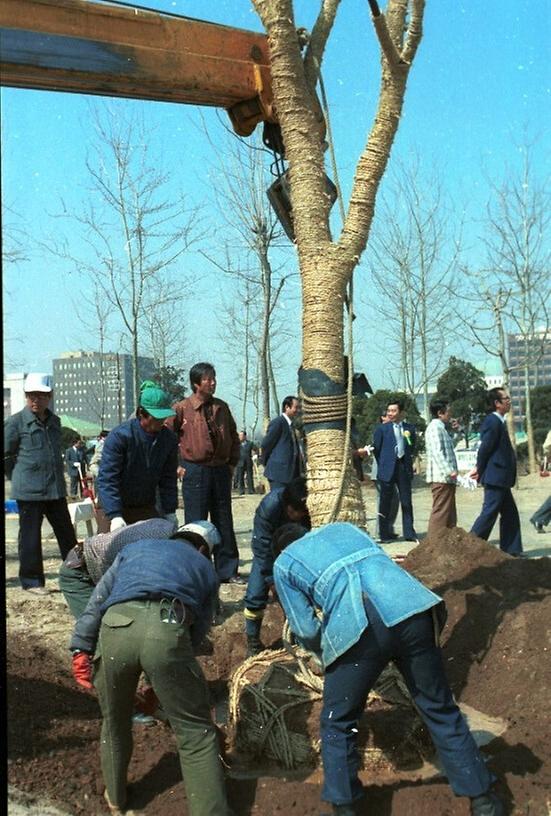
pixel 244 467
pixel 75 462
pixel 393 443
pixel 280 451
pixel 496 469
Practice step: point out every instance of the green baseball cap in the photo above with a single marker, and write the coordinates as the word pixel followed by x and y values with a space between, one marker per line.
pixel 156 401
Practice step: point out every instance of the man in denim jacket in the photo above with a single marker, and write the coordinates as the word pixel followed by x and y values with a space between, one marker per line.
pixel 372 612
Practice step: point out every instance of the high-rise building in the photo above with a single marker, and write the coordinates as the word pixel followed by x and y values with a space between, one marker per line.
pixel 97 387
pixel 535 349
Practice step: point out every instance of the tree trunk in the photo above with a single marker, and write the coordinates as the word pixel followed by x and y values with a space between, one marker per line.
pixel 326 267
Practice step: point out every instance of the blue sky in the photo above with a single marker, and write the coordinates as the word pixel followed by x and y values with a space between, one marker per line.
pixel 482 76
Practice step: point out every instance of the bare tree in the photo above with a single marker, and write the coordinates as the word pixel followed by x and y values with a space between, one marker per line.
pixel 326 265
pixel 94 313
pixel 519 256
pixel 414 255
pixel 15 251
pixel 132 234
pixel 253 236
pixel 237 343
pixel 487 324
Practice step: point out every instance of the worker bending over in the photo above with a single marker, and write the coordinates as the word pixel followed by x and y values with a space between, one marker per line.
pixel 372 612
pixel 148 613
pixel 280 506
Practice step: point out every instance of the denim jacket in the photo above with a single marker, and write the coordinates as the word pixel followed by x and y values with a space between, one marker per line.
pixel 330 570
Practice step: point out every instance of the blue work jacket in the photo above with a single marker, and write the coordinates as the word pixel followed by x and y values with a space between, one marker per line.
pixel 152 569
pixel 133 467
pixel 329 571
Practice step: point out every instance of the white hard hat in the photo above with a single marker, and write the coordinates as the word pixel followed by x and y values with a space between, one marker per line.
pixel 38 382
pixel 200 530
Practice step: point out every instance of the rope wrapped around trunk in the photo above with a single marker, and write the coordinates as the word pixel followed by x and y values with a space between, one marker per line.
pixel 324 409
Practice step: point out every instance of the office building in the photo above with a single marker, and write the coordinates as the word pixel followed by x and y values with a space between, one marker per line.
pixel 97 387
pixel 534 353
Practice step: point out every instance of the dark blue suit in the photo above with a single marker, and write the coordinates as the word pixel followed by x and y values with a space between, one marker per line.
pixel 280 455
pixel 497 471
pixel 393 471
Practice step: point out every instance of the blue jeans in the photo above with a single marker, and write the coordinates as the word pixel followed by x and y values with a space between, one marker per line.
pixel 258 588
pixel 500 501
pixel 348 681
pixel 207 492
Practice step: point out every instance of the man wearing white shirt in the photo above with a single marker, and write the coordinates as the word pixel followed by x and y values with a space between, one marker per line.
pixel 441 468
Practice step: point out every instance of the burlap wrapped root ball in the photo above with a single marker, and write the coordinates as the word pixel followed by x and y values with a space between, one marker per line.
pixel 275 705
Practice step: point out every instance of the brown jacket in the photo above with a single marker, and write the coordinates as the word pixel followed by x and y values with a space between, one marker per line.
pixel 194 441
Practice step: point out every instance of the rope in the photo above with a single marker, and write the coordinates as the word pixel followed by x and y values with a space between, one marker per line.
pixel 324 408
pixel 264 730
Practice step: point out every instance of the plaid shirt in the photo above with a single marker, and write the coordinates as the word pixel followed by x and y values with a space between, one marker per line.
pixel 441 459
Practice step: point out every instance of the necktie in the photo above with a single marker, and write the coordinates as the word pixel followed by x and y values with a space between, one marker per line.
pixel 399 440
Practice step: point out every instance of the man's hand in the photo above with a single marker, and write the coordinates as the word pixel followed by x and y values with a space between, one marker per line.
pixel 473 474
pixel 117 523
pixel 453 475
pixel 180 472
pixel 82 669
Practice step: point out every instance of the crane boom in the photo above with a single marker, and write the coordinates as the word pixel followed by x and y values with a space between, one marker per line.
pixel 110 50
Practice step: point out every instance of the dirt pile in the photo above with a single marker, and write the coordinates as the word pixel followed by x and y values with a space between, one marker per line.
pixel 497 647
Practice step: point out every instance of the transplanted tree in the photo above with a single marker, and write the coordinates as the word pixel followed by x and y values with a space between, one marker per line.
pixel 327 264
pixel 464 387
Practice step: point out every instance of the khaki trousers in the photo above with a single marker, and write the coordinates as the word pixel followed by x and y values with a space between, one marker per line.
pixel 132 639
pixel 444 513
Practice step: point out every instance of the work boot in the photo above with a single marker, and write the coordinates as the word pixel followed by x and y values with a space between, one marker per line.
pixel 254 645
pixel 487 805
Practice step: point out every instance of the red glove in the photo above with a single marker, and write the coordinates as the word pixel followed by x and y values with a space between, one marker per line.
pixel 82 669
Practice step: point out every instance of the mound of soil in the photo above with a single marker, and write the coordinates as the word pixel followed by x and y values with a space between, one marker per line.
pixel 496 647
